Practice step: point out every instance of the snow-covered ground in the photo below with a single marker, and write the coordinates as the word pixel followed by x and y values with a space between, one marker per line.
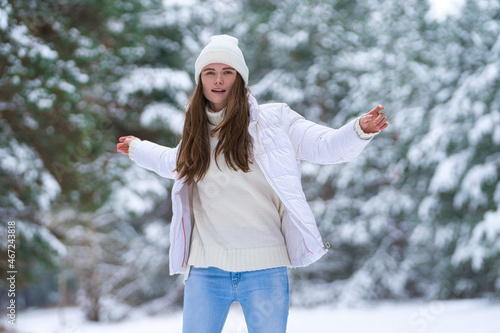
pixel 464 316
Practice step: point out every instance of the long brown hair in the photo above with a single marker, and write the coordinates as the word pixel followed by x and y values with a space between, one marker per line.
pixel 234 143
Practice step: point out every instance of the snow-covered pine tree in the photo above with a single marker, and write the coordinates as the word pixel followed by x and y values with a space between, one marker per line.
pixel 70 86
pixel 460 220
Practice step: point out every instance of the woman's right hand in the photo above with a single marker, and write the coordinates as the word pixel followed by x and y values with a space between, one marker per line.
pixel 124 144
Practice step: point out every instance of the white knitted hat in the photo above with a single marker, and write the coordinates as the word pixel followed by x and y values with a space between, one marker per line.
pixel 222 49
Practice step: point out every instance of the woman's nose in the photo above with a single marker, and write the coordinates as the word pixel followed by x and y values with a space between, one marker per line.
pixel 218 79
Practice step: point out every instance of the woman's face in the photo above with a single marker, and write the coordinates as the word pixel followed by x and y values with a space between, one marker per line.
pixel 217 81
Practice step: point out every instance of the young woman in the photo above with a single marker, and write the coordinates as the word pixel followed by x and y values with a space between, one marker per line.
pixel 240 217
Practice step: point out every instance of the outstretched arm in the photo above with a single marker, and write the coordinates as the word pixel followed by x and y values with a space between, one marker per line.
pixel 149 155
pixel 323 145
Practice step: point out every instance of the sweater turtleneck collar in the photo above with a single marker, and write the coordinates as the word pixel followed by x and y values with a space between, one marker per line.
pixel 215 118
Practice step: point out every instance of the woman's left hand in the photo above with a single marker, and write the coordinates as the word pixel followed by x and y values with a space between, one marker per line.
pixel 374 121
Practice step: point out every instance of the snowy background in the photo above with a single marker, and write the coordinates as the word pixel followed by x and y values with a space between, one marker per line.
pixel 414 222
pixel 435 317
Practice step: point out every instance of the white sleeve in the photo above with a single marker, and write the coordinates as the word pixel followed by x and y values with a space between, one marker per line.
pixel 320 144
pixel 131 148
pixel 154 157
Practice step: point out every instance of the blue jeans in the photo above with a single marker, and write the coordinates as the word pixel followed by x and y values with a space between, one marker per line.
pixel 264 296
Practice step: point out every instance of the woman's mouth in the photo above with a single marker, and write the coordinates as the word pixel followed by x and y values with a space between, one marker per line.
pixel 218 91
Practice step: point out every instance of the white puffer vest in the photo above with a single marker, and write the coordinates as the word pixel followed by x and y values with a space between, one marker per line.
pixel 281 139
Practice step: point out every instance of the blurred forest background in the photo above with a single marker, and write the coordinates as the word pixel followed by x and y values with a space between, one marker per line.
pixel 417 215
